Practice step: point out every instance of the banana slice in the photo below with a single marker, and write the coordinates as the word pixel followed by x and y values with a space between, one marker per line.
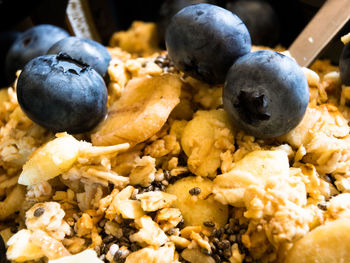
pixel 87 256
pixel 51 159
pixel 202 141
pixel 141 111
pixel 197 209
pixel 256 168
pixel 324 244
pixel 21 249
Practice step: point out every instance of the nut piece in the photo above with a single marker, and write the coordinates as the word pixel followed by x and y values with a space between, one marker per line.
pixel 149 233
pixel 153 201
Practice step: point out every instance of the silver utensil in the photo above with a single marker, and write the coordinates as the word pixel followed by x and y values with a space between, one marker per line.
pixel 327 22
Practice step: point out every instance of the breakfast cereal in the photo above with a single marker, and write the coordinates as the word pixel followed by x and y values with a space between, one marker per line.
pixel 167 178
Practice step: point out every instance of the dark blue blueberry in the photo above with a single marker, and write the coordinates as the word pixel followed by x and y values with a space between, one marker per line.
pixel 204 40
pixel 2 251
pixel 84 50
pixel 260 18
pixel 62 94
pixel 344 65
pixel 265 94
pixel 34 42
pixel 169 8
pixel 7 38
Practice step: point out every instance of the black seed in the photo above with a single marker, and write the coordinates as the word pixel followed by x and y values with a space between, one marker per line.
pixel 205 251
pixel 214 233
pixel 195 191
pixel 39 211
pixel 14 229
pixel 242 231
pixel 208 224
pixel 322 206
pixel 181 224
pixel 220 231
pixel 232 238
pixel 108 239
pixel 124 240
pixel 212 246
pixel 224 244
pixel 216 240
pixel 227 253
pixel 167 175
pixel 217 258
pixel 118 255
pixel 134 247
pixel 171 231
pixel 238 238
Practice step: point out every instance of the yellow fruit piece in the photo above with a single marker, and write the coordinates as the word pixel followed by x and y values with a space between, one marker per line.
pixel 256 168
pixel 325 244
pixel 197 209
pixel 50 160
pixel 86 256
pixel 21 249
pixel 199 141
pixel 140 112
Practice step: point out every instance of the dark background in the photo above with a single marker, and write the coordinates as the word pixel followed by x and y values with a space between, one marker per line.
pixel 113 15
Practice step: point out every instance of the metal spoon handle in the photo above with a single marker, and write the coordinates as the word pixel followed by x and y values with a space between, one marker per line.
pixel 319 32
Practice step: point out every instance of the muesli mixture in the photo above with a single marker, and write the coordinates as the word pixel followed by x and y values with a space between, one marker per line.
pixel 167 178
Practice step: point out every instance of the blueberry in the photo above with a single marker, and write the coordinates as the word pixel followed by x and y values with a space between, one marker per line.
pixel 204 40
pixel 34 42
pixel 344 65
pixel 7 38
pixel 2 251
pixel 260 18
pixel 84 50
pixel 62 94
pixel 169 8
pixel 265 94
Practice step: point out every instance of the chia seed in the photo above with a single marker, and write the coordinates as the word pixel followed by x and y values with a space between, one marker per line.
pixel 108 239
pixel 39 211
pixel 181 224
pixel 208 224
pixel 118 256
pixel 205 251
pixel 134 247
pixel 322 206
pixel 165 63
pixel 222 239
pixel 171 231
pixel 14 229
pixel 225 244
pixel 195 191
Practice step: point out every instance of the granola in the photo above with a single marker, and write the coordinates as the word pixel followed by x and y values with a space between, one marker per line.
pixel 167 178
